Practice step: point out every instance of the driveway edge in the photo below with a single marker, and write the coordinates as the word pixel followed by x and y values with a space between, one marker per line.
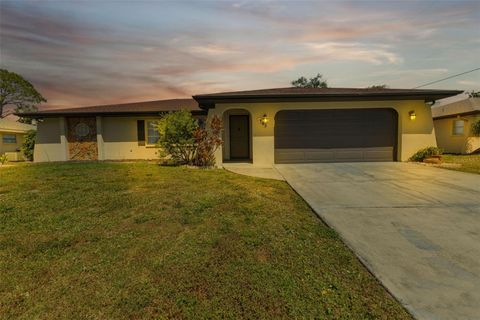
pixel 364 262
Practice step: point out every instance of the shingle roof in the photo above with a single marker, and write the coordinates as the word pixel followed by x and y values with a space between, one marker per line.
pixel 323 91
pixel 7 125
pixel 147 107
pixel 208 100
pixel 467 106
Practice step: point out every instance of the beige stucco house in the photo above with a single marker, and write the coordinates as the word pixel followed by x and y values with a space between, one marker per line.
pixel 263 127
pixel 453 123
pixel 11 138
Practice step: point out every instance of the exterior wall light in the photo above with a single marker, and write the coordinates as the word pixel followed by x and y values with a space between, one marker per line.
pixel 264 120
pixel 412 115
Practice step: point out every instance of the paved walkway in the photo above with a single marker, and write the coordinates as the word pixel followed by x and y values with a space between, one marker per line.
pixel 416 228
pixel 250 170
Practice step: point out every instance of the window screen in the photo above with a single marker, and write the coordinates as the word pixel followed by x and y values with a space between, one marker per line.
pixel 9 138
pixel 458 127
pixel 152 132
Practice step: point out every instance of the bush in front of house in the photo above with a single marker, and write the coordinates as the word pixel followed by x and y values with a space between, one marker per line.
pixel 3 159
pixel 476 128
pixel 185 142
pixel 421 154
pixel 176 136
pixel 207 142
pixel 29 144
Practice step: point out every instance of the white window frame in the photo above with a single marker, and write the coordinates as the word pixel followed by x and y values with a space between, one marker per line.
pixel 147 135
pixel 9 134
pixel 454 127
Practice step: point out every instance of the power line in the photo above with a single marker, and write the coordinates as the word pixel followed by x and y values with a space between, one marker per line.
pixel 450 77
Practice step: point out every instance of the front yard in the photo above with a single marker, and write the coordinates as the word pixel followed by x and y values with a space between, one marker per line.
pixel 465 163
pixel 131 241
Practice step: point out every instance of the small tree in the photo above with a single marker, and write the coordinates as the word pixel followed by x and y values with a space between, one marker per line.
pixel 29 144
pixel 315 82
pixel 186 142
pixel 207 141
pixel 177 139
pixel 17 92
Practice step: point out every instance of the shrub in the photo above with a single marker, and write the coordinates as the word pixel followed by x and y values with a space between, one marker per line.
pixel 207 141
pixel 425 153
pixel 186 142
pixel 3 159
pixel 29 144
pixel 473 94
pixel 476 128
pixel 176 136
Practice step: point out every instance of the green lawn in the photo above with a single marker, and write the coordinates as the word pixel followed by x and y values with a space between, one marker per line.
pixel 140 241
pixel 466 163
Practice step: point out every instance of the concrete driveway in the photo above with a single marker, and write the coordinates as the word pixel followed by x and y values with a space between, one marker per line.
pixel 416 228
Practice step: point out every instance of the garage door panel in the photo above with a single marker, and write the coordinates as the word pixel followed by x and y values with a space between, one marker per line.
pixel 379 154
pixel 335 135
pixel 338 141
pixel 319 155
pixel 333 155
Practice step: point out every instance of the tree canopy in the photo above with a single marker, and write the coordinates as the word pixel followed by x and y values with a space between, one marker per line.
pixel 186 142
pixel 378 86
pixel 316 82
pixel 17 92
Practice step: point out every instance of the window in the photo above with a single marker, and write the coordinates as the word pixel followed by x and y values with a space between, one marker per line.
pixel 458 127
pixel 152 132
pixel 9 138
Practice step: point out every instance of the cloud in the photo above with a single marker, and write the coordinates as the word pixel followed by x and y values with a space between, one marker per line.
pixel 470 83
pixel 213 49
pixel 410 72
pixel 375 54
pixel 78 54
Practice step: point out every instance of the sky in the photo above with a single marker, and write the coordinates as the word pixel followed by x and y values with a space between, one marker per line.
pixel 79 53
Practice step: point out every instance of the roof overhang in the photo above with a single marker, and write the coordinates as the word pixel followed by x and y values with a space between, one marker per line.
pixel 53 114
pixel 208 101
pixel 461 114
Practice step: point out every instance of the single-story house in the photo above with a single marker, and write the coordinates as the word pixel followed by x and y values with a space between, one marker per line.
pixel 283 125
pixel 453 123
pixel 11 138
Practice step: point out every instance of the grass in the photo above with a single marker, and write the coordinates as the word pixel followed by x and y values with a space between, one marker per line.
pixel 467 163
pixel 140 241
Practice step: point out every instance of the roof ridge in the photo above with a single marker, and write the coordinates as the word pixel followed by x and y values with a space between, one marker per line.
pixel 329 90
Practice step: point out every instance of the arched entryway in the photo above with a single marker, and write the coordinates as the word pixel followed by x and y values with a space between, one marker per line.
pixel 237 136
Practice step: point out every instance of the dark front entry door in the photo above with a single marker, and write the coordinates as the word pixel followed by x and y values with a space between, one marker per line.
pixel 239 137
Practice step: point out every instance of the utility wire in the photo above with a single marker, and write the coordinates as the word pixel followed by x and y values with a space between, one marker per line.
pixel 450 77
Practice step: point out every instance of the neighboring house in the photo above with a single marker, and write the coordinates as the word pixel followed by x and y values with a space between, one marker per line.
pixel 11 138
pixel 453 123
pixel 285 125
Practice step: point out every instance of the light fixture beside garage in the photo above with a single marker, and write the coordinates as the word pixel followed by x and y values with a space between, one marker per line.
pixel 412 115
pixel 264 120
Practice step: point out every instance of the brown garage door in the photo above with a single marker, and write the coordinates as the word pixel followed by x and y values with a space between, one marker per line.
pixel 335 135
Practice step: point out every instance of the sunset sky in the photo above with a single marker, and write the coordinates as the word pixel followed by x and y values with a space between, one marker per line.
pixel 97 52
